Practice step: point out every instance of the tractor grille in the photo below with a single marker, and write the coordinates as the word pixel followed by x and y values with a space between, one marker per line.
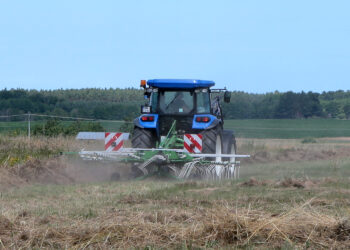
pixel 183 124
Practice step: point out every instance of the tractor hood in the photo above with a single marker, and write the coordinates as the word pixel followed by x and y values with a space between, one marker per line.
pixel 180 83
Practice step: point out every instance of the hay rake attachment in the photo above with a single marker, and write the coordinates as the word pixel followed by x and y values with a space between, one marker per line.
pixel 168 159
pixel 175 162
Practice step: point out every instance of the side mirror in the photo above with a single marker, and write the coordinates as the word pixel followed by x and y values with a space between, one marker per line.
pixel 227 96
pixel 147 93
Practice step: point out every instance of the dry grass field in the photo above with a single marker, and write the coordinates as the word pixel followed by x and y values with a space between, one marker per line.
pixel 290 195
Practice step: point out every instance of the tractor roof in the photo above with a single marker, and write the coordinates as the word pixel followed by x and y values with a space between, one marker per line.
pixel 180 83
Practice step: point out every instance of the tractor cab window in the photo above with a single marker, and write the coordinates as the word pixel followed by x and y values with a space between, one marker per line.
pixel 203 103
pixel 154 101
pixel 176 102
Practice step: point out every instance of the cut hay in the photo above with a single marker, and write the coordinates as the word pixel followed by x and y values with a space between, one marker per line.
pixel 305 183
pixel 218 226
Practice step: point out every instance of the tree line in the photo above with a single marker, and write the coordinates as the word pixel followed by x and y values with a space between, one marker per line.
pixel 118 104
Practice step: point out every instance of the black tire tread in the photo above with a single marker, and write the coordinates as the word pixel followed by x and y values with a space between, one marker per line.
pixel 143 138
pixel 209 141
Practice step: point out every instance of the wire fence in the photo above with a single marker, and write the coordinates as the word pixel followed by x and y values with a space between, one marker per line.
pixel 23 124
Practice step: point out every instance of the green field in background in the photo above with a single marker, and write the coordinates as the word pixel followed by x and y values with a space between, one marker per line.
pixel 253 128
pixel 289 128
pixel 21 127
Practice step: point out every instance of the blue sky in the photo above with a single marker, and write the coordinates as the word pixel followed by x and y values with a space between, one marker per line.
pixel 253 46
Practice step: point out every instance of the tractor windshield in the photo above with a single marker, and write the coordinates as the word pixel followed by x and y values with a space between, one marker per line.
pixel 176 102
pixel 181 102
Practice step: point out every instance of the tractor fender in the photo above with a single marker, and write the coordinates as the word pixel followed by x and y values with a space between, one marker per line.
pixel 146 124
pixel 214 124
pixel 137 123
pixel 214 121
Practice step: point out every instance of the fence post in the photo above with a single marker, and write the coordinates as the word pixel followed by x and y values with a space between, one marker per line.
pixel 29 125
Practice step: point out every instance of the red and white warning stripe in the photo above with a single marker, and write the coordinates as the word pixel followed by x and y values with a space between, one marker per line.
pixel 193 143
pixel 113 141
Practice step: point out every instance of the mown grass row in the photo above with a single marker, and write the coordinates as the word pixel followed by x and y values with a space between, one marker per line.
pixel 181 215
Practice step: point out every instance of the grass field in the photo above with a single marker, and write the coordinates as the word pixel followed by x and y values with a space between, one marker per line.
pixel 290 195
pixel 273 128
pixel 285 128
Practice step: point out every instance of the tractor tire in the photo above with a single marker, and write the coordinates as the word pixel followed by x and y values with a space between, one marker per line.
pixel 212 142
pixel 143 138
pixel 229 144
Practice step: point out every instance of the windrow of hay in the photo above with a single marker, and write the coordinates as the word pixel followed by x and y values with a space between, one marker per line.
pixel 16 150
pixel 43 171
pixel 219 226
pixel 36 160
pixel 286 182
pixel 50 171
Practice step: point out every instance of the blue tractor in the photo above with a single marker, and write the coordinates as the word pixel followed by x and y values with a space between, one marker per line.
pixel 180 132
pixel 190 107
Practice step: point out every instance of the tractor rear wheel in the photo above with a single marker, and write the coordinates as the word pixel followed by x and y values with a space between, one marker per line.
pixel 143 138
pixel 212 142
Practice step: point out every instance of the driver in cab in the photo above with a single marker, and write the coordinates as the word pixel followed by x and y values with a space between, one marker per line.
pixel 178 104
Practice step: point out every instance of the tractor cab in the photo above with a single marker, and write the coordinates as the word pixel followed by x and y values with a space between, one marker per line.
pixel 186 101
pixel 180 97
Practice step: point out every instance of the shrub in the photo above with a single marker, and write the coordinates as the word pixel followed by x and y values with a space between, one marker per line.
pixel 55 128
